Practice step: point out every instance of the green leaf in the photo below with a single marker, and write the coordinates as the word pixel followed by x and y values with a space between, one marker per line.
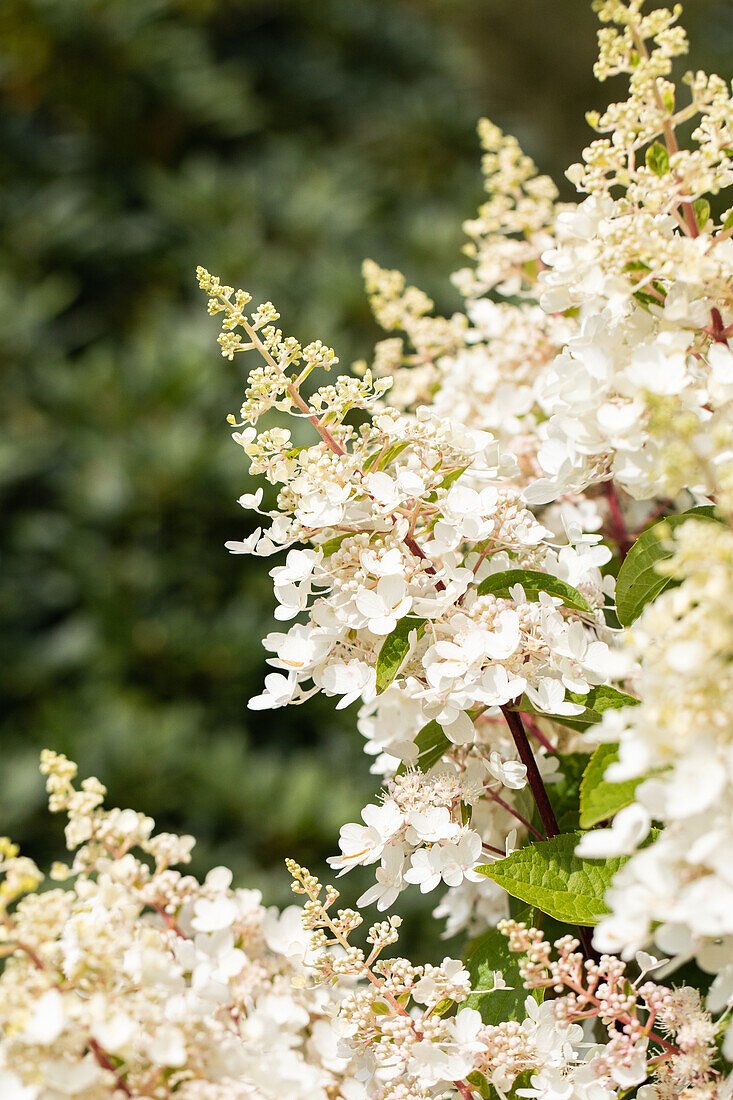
pixel 395 648
pixel 484 955
pixel 638 581
pixel 391 454
pixel 600 799
pixel 452 476
pixel 594 703
pixel 728 223
pixel 488 1092
pixel 443 1007
pixel 533 582
pixel 657 159
pixel 702 211
pixel 603 697
pixel 330 546
pixel 431 744
pixel 548 875
pixel 481 1085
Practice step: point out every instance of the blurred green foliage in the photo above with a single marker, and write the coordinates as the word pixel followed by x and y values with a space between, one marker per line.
pixel 277 143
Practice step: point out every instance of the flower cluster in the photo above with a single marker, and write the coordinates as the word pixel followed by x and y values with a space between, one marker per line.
pixel 642 392
pixel 632 1013
pixel 137 980
pixel 678 890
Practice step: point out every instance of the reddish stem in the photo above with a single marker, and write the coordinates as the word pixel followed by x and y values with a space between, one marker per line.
pixel 535 730
pixel 170 921
pixel 418 551
pixel 103 1059
pixel 718 330
pixel 493 848
pixel 619 530
pixel 537 787
pixel 515 813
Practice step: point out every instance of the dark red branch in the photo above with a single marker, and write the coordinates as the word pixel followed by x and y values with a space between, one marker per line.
pixel 537 787
pixel 619 531
pixel 542 801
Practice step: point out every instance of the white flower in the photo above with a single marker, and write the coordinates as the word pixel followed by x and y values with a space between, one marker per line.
pixel 511 773
pixel 299 566
pixel 498 686
pixel 460 730
pixel 548 695
pixel 251 501
pixel 630 826
pixel 431 825
pixel 211 916
pixel 383 607
pixel 384 489
pixel 460 859
pixel 658 370
pixel 115 1033
pixel 284 932
pixel 426 868
pixel 167 1047
pixel 48 1019
pixel 389 882
pixel 247 545
pixel 351 679
pixel 279 691
pixel 504 639
pixel 365 843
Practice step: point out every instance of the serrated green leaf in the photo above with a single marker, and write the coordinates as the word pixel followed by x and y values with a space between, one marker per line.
pixel 701 208
pixel 657 159
pixel 485 955
pixel 380 1009
pixel 533 582
pixel 638 582
pixel 431 744
pixel 600 799
pixel 548 875
pixel 594 703
pixel 395 648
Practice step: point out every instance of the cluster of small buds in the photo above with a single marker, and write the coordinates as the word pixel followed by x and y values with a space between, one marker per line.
pixel 633 1013
pixel 384 933
pixel 136 980
pixel 381 1020
pixel 20 875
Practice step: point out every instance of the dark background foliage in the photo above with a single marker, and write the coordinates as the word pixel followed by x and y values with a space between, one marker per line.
pixel 278 143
